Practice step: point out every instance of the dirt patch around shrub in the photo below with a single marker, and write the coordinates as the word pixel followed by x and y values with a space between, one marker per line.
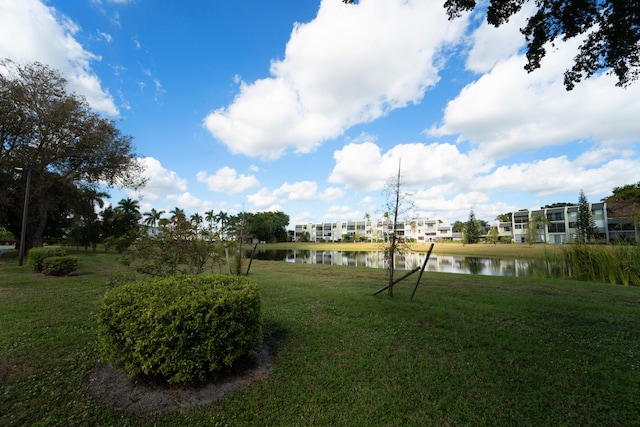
pixel 112 387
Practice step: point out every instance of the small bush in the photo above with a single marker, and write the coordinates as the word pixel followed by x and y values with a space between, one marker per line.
pixel 36 257
pixel 59 265
pixel 180 329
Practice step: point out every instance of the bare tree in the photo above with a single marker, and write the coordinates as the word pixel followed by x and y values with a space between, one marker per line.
pixel 399 204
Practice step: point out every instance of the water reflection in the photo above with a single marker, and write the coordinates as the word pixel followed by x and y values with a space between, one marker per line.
pixel 439 263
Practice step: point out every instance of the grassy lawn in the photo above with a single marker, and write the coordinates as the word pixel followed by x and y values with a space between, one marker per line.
pixel 468 350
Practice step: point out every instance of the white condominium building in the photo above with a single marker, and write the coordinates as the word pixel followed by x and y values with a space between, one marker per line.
pixel 559 227
pixel 421 230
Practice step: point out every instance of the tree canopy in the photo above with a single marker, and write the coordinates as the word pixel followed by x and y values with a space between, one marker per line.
pixel 505 217
pixel 625 202
pixel 265 226
pixel 472 229
pixel 586 230
pixel 611 30
pixel 55 137
pixel 556 205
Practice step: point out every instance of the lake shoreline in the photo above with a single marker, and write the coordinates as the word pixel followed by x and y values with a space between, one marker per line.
pixel 502 250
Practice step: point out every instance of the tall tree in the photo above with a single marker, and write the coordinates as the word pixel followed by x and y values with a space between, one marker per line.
pixel 64 144
pixel 611 29
pixel 178 214
pixel 152 217
pixel 222 218
pixel 457 226
pixel 196 220
pixel 129 210
pixel 471 232
pixel 535 226
pixel 367 219
pixel 210 217
pixel 86 227
pixel 269 226
pixel 625 203
pixel 123 219
pixel 585 226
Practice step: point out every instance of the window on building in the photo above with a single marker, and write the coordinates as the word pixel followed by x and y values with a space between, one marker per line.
pixel 555 216
pixel 521 219
pixel 557 227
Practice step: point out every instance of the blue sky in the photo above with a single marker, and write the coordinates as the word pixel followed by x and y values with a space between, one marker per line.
pixel 307 107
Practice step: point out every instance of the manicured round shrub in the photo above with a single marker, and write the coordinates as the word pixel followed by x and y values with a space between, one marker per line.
pixel 36 256
pixel 59 265
pixel 180 329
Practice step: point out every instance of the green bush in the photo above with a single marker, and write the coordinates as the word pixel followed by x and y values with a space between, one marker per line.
pixel 36 256
pixel 180 329
pixel 59 265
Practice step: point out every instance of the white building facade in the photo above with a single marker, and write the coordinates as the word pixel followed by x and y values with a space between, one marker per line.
pixel 561 225
pixel 560 228
pixel 421 231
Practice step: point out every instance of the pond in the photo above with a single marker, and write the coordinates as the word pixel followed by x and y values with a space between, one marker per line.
pixel 440 263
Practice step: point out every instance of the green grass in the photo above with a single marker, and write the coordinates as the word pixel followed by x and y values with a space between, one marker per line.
pixel 468 350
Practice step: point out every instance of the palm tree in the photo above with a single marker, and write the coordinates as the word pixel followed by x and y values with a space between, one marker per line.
pixel 210 217
pixel 196 220
pixel 538 223
pixel 130 212
pixel 129 206
pixel 178 215
pixel 86 218
pixel 223 218
pixel 386 217
pixel 367 225
pixel 153 217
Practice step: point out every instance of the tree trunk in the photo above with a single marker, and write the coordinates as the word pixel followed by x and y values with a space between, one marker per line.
pixel 394 241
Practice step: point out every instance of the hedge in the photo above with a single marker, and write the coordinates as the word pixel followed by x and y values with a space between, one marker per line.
pixel 180 329
pixel 36 257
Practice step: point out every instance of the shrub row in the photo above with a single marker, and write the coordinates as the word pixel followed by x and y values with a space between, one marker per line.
pixel 180 329
pixel 36 257
pixel 51 261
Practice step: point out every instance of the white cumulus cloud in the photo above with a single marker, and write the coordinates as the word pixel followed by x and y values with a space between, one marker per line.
pixel 351 64
pixel 507 110
pixel 160 181
pixel 31 31
pixel 363 166
pixel 227 180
